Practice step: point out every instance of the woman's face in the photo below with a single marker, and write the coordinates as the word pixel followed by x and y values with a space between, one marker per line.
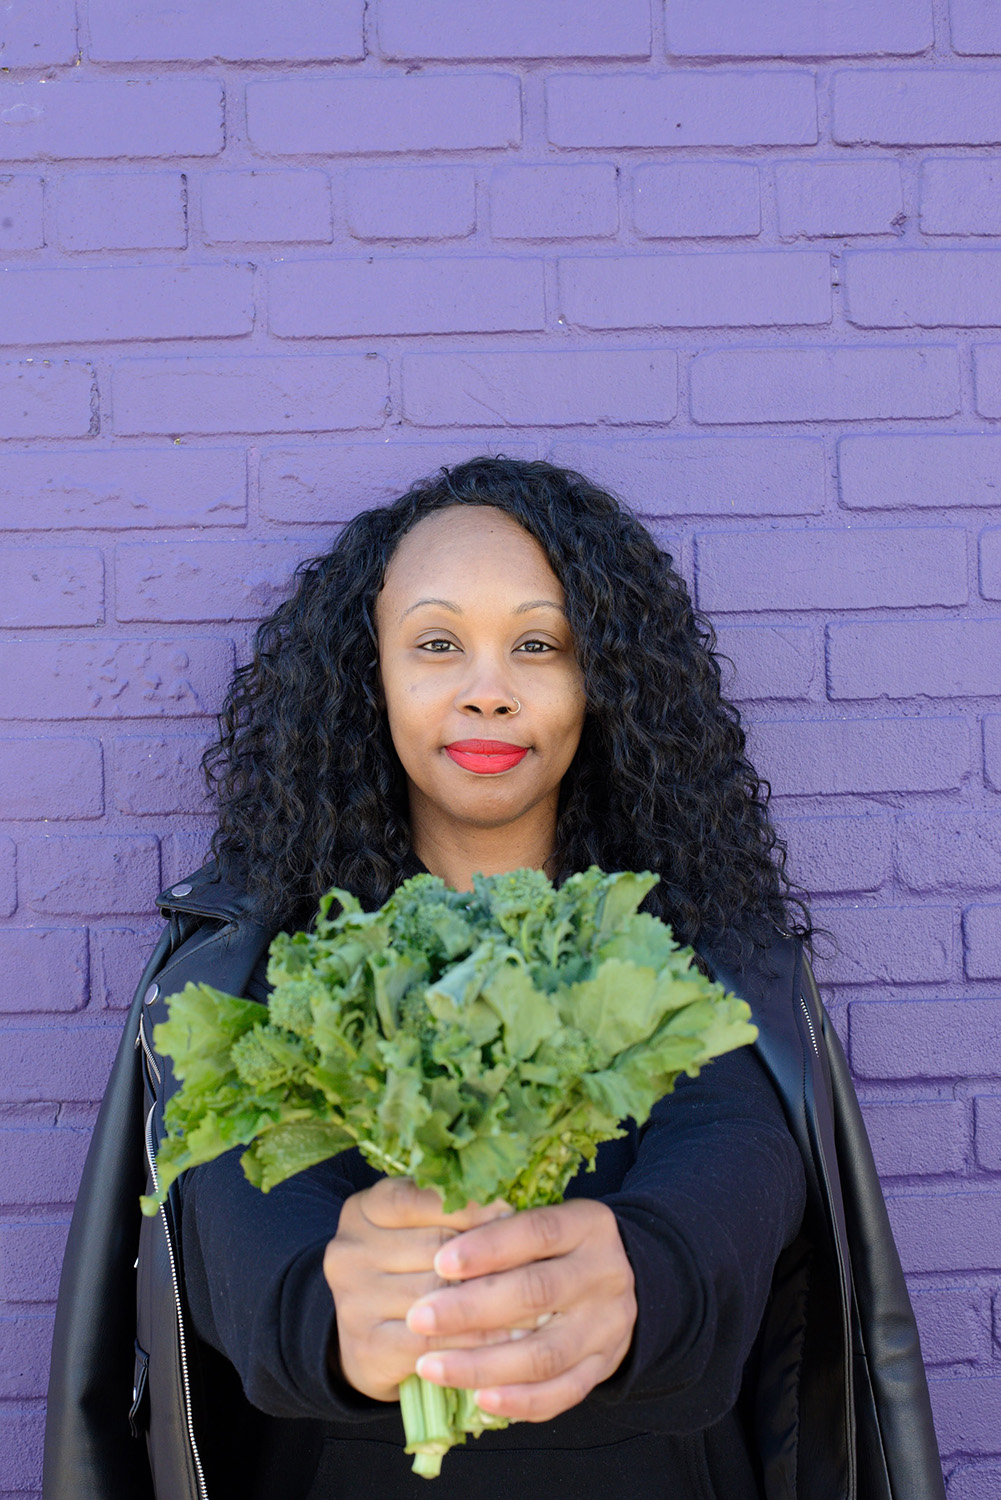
pixel 469 620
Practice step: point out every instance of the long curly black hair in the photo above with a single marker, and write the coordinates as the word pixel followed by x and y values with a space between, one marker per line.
pixel 312 794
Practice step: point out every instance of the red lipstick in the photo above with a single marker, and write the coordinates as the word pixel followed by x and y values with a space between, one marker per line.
pixel 486 757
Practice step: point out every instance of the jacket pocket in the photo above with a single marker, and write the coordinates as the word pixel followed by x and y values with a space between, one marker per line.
pixel 139 1410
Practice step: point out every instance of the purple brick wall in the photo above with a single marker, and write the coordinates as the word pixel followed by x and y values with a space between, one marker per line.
pixel 740 262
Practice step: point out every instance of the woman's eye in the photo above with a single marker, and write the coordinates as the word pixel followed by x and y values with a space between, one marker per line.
pixel 431 647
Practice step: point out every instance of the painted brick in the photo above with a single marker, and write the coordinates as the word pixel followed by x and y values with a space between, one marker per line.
pixel 122 211
pixel 31 1256
pixel 51 585
pixel 521 28
pixel 203 580
pixel 992 750
pixel 278 207
pixel 770 662
pixel 145 31
pixel 785 28
pixel 960 197
pixel 887 945
pixel 45 968
pixel 838 856
pixel 20 212
pixel 114 679
pixel 705 476
pixel 118 957
pixel 328 116
pixel 934 658
pixel 559 201
pixel 65 117
pixel 39 399
pixel 334 482
pixel 27 1343
pixel 926 1039
pixel 918 107
pixel 90 873
pixel 990 563
pixel 528 388
pixel 159 775
pixel 923 288
pixel 183 854
pixel 917 1138
pixel 948 1232
pixel 42 777
pixel 936 469
pixel 260 393
pixel 967 1412
pixel 975 1482
pixel 8 876
pixel 817 198
pixel 987 1112
pixel 22 1431
pixel 35 36
pixel 975 29
pixel 949 851
pixel 410 203
pixel 807 756
pixel 824 384
pixel 953 1324
pixel 690 199
pixel 982 941
pixel 125 487
pixel 391 294
pixel 125 302
pixel 681 108
pixel 987 379
pixel 43 1166
pixel 826 569
pixel 744 288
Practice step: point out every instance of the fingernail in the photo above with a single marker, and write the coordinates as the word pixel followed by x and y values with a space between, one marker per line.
pixel 446 1263
pixel 430 1367
pixel 488 1400
pixel 421 1319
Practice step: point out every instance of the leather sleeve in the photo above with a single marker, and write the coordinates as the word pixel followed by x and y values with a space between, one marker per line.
pixel 897 1448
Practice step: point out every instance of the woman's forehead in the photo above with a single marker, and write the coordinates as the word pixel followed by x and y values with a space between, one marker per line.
pixel 467 542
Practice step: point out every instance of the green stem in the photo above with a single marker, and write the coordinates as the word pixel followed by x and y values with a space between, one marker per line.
pixel 427 1423
pixel 436 1418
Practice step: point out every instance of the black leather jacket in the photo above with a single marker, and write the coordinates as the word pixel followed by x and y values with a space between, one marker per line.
pixel 835 1381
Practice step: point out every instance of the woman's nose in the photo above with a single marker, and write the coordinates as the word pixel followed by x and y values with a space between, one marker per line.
pixel 487 693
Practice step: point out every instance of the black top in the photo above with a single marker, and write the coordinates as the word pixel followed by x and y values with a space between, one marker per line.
pixel 705 1201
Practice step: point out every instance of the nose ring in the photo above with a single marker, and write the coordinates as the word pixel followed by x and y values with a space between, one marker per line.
pixel 515 710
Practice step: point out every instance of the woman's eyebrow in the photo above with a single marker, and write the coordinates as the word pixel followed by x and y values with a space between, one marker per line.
pixel 447 604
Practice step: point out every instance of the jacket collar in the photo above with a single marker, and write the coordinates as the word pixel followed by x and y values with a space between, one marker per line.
pixel 206 894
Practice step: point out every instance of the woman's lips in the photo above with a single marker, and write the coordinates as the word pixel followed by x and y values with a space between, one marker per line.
pixel 486 757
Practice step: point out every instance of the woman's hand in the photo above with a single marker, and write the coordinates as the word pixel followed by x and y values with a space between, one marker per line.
pixel 566 1260
pixel 377 1264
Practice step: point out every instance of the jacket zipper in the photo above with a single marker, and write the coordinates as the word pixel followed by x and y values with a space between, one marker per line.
pixel 846 1281
pixel 147 1049
pixel 203 1493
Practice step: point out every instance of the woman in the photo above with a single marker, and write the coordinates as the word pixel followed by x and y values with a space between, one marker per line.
pixel 503 670
pixel 499 670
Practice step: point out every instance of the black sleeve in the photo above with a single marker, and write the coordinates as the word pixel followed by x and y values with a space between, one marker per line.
pixel 253 1276
pixel 716 1192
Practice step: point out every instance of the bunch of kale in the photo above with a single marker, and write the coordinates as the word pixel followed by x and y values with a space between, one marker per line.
pixel 482 1043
